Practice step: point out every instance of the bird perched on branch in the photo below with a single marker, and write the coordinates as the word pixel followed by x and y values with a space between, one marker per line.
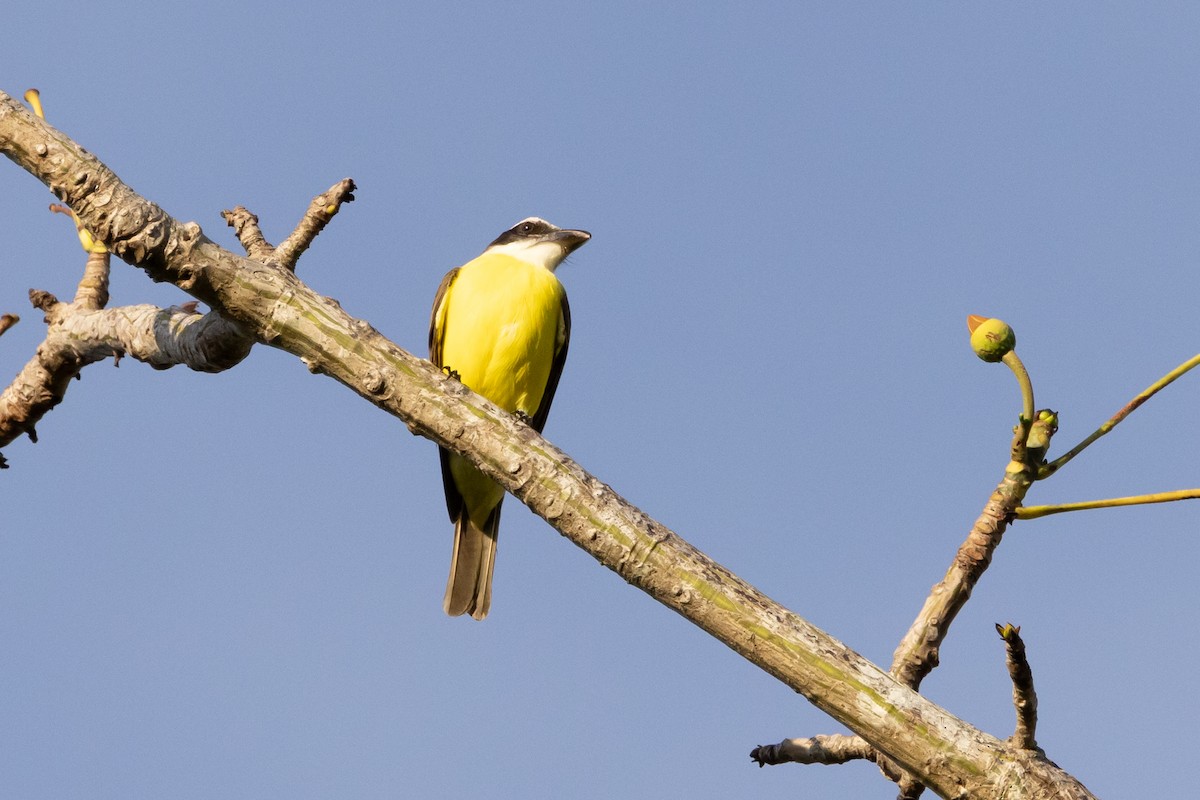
pixel 501 324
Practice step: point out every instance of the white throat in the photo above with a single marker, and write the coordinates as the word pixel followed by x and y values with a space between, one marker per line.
pixel 547 255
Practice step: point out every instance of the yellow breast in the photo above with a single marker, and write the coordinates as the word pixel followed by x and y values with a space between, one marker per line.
pixel 500 327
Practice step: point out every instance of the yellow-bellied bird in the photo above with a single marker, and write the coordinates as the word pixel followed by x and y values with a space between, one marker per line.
pixel 502 323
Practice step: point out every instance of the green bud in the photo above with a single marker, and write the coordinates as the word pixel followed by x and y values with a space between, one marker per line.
pixel 991 339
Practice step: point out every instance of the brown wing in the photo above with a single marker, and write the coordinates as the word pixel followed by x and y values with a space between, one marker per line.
pixel 454 504
pixel 556 367
pixel 435 333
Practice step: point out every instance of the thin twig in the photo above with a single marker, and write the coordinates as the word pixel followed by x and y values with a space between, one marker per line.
pixel 1024 696
pixel 245 226
pixel 1021 434
pixel 7 321
pixel 837 749
pixel 320 211
pixel 92 292
pixel 1033 512
pixel 1049 469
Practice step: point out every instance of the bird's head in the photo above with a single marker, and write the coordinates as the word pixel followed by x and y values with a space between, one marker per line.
pixel 538 242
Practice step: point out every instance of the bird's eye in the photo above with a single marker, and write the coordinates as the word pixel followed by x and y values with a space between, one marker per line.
pixel 526 227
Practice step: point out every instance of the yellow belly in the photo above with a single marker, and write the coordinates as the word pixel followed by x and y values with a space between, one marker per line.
pixel 501 328
pixel 500 325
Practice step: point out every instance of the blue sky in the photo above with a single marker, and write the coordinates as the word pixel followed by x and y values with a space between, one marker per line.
pixel 230 586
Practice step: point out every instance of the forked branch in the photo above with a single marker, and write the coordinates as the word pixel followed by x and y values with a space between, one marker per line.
pixel 945 753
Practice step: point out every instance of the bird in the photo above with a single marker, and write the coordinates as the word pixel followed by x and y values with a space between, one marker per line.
pixel 501 325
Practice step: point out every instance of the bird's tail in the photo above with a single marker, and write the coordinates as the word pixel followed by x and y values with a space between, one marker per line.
pixel 469 588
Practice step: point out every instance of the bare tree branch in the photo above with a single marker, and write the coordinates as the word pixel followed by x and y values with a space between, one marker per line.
pixel 42 382
pixel 83 332
pixel 1024 697
pixel 92 293
pixel 945 753
pixel 7 321
pixel 320 212
pixel 1133 405
pixel 835 749
pixel 917 654
pixel 79 335
pixel 245 226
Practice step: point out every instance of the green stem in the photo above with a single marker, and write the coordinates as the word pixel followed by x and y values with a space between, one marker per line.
pixel 1166 380
pixel 1021 435
pixel 1033 512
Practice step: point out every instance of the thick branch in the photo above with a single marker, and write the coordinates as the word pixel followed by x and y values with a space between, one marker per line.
pixel 950 756
pixel 78 336
pixel 83 332
pixel 160 337
pixel 918 652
